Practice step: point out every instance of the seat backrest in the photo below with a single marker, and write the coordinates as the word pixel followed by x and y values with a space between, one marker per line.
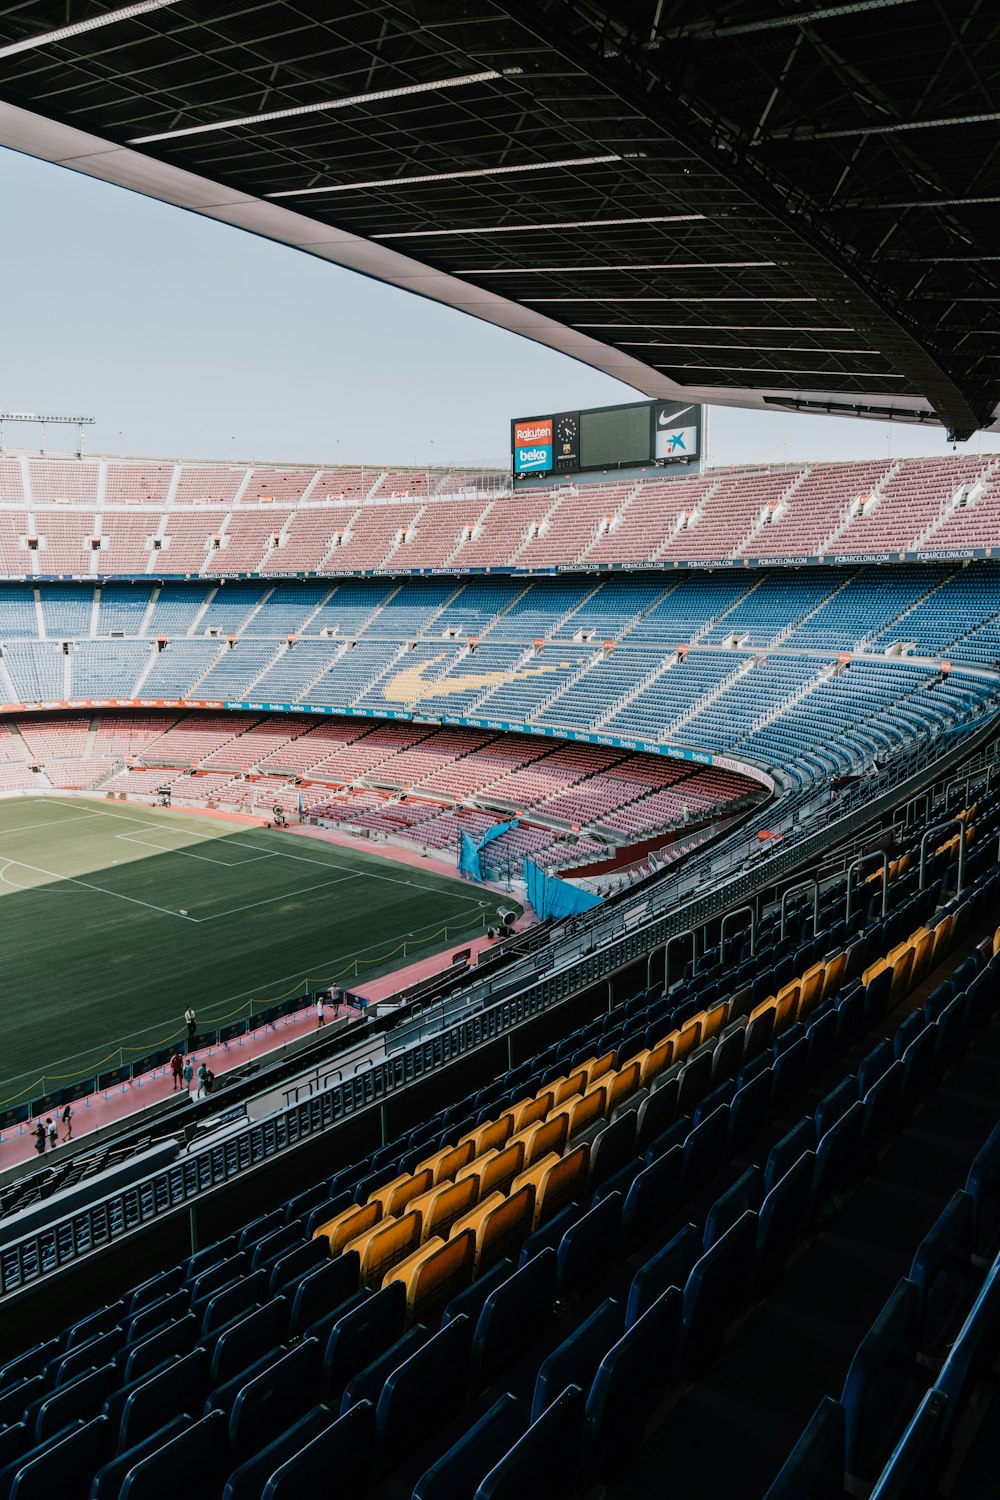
pixel 561 1180
pixel 669 1267
pixel 501 1169
pixel 361 1334
pixel 434 1273
pixel 181 1387
pixel 445 1163
pixel 576 1359
pixel 323 1289
pixel 343 1448
pixel 630 1382
pixel 272 1400
pixel 587 1248
pixel 512 1317
pixel 888 1349
pixel 458 1472
pixel 785 1152
pixel 425 1392
pixel 441 1206
pixel 816 1463
pixel 746 1193
pixel 248 1480
pixel 244 1342
pixel 716 1286
pixel 546 1460
pixel 349 1224
pixel 383 1246
pixel 200 1449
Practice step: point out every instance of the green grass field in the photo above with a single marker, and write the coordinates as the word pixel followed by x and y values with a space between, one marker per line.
pixel 114 918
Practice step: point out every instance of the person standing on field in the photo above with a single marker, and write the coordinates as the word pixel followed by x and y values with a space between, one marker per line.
pixel 191 1022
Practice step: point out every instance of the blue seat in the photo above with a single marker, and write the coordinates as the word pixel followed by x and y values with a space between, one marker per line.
pixel 247 1482
pixel 657 1112
pixel 243 1342
pixel 630 1382
pixel 107 1481
pixel 19 1395
pixel 64 1466
pixel 911 1470
pixel 181 1386
pixel 837 1152
pixel 362 1334
pixel 202 1260
pixel 750 1108
pixel 32 1362
pixel 288 1270
pixel 469 1301
pixel 782 1218
pixel 669 1267
pixel 713 1291
pixel 834 1105
pixel 721 1094
pixel 101 1321
pixel 873 1065
pixel 728 1056
pixel 586 1250
pixel 822 1036
pixel 619 1182
pixel 324 1289
pixel 815 1466
pixel 974 1348
pixel 100 1350
pixel 790 1073
pixel 200 1449
pixel 224 1273
pixel 850 1017
pixel 343 1449
pixel 612 1148
pixel 983 1187
pixel 952 1029
pixel 544 1464
pixel 908 1029
pixel 943 1272
pixel 176 1338
pixel 883 1384
pixel 251 1234
pixel 366 1384
pixel 80 1399
pixel 156 1315
pixel 229 1303
pixel 512 1317
pixel 273 1399
pixel 458 1473
pixel 882 1104
pixel 278 1243
pixel 576 1359
pixel 705 1149
pixel 920 1061
pixel 651 1198
pixel 425 1392
pixel 786 1151
pixel 550 1233
pixel 745 1193
pixel 163 1284
pixel 695 1081
pixel 328 1209
pixel 302 1205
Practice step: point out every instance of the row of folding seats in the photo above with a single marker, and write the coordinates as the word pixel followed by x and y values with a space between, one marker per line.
pixel 593 1394
pixel 888 1434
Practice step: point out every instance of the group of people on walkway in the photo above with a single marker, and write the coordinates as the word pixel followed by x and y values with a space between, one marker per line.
pixel 46 1132
pixel 196 1077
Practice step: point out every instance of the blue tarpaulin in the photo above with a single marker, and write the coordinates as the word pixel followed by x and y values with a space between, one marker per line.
pixel 469 862
pixel 555 898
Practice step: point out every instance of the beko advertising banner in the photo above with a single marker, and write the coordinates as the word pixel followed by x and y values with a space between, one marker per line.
pixel 532 446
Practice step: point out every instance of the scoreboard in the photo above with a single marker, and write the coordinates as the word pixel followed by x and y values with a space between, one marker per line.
pixel 608 437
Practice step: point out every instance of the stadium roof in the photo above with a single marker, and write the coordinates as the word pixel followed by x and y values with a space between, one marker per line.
pixel 767 203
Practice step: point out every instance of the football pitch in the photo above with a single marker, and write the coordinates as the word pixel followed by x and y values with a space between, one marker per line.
pixel 113 919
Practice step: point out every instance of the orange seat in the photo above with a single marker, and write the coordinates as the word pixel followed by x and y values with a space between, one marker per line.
pixel 811 988
pixel 491 1136
pixel 833 974
pixel 715 1019
pixel 658 1060
pixel 441 1206
pixel 503 1166
pixel 622 1086
pixel 444 1164
pixel 688 1037
pixel 584 1111
pixel 558 1182
pixel 434 1273
pixel 598 1066
pixel 348 1224
pixel 786 1005
pixel 395 1195
pixel 541 1138
pixel 574 1084
pixel 385 1246
pixel 500 1226
pixel 533 1110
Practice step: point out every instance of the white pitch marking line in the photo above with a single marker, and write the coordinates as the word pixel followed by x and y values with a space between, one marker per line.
pixel 269 900
pixel 74 880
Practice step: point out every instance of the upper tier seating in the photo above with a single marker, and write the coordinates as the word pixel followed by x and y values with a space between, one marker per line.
pixel 113 517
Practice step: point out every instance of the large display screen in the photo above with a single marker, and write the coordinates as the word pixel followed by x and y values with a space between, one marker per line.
pixel 614 436
pixel 608 437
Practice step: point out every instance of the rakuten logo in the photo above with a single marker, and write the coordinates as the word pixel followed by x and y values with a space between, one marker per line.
pixel 533 432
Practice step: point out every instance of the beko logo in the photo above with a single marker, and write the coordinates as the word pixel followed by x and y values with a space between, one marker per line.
pixel 533 455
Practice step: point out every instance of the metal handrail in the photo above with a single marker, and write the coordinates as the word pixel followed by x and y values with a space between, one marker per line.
pixel 809 883
pixel 962 839
pixel 856 864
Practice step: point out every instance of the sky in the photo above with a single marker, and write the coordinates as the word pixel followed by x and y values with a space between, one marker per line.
pixel 190 339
